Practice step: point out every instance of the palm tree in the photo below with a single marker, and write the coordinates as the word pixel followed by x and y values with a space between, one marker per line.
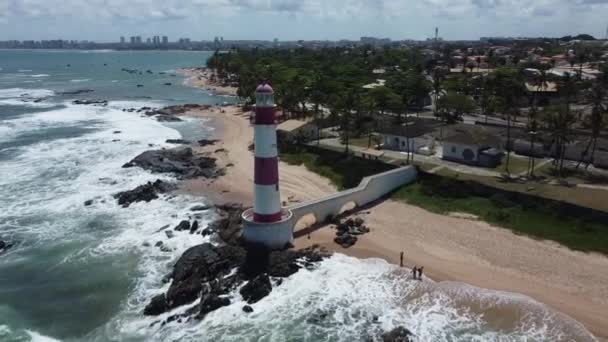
pixel 533 130
pixel 596 121
pixel 558 121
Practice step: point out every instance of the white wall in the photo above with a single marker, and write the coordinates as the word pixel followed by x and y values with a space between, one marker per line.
pixel 277 235
pixel 454 151
pixel 370 189
pixel 414 143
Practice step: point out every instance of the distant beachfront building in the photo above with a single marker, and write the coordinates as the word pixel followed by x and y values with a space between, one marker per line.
pixel 165 40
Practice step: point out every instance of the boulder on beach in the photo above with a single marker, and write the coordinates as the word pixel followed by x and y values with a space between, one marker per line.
pixel 180 161
pixel 206 142
pixel 144 193
pixel 345 240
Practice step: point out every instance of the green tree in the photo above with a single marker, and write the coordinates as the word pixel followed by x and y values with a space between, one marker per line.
pixel 558 122
pixel 597 121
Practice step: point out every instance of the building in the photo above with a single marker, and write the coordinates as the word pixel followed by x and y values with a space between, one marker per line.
pixel 472 145
pixel 545 94
pixel 165 40
pixel 296 131
pixel 415 136
pixel 267 223
pixel 122 40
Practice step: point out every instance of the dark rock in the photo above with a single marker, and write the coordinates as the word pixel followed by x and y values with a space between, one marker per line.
pixel 256 289
pixel 211 302
pixel 91 102
pixel 399 334
pixel 117 132
pixel 180 161
pixel 169 234
pixel 184 225
pixel 194 227
pixel 206 142
pixel 199 208
pixel 247 309
pixel 88 203
pixel 177 141
pixel 146 192
pixel 146 244
pixel 206 232
pixel 168 83
pixel 156 306
pixel 158 244
pixel 345 240
pixel 202 272
pixel 140 85
pixel 165 248
pixel 77 92
pixel 168 118
pixel 199 264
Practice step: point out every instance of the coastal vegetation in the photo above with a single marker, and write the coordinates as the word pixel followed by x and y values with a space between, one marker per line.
pixel 362 89
pixel 444 194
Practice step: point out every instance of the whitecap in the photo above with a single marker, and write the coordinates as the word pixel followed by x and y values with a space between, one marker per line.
pixel 28 93
pixel 80 80
pixel 24 70
pixel 36 337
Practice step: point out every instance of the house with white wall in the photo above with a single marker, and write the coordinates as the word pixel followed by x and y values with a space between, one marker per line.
pixel 414 136
pixel 472 145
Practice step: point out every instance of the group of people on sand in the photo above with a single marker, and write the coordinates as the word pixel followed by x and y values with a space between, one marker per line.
pixel 416 271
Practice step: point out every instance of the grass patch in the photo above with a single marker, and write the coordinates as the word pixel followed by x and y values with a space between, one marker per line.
pixel 516 165
pixel 539 221
pixel 345 171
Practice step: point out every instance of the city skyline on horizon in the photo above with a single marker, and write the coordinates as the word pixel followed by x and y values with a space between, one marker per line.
pixel 292 20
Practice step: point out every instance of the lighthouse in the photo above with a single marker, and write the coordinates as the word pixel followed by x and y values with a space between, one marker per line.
pixel 266 223
pixel 267 203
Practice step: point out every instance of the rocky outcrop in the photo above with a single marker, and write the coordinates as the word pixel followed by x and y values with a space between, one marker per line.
pixel 256 289
pixel 228 226
pixel 399 334
pixel 207 142
pixel 183 225
pixel 168 118
pixel 144 193
pixel 91 102
pixel 77 92
pixel 347 231
pixel 212 272
pixel 178 141
pixel 5 245
pixel 179 161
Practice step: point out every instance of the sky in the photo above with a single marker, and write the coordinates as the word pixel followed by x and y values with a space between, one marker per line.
pixel 107 20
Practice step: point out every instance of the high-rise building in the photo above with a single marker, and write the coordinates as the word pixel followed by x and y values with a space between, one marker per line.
pixel 165 40
pixel 148 41
pixel 138 40
pixel 122 40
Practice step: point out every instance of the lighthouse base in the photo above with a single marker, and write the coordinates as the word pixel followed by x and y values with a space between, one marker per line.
pixel 275 235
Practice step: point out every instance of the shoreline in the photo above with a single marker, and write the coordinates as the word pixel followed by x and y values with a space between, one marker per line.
pixel 472 252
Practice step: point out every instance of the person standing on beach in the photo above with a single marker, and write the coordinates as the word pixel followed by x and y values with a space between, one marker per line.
pixel 414 270
pixel 401 259
pixel 420 272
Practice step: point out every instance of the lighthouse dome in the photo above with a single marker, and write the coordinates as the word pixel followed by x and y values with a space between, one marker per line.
pixel 264 88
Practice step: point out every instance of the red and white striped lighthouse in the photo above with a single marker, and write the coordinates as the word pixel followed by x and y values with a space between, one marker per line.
pixel 267 198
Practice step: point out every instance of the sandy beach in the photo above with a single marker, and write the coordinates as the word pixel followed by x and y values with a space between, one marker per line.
pixel 452 249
